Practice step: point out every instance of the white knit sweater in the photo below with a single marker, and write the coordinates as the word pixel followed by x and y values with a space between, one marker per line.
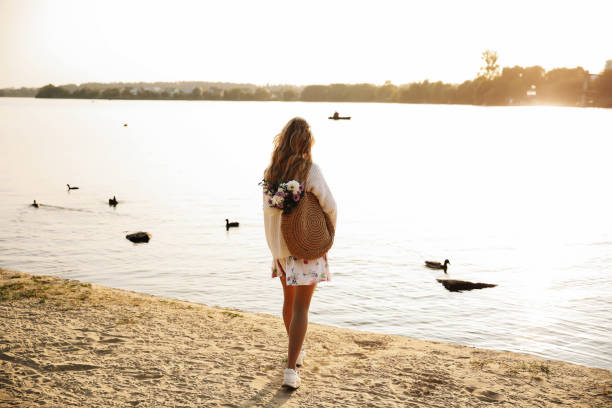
pixel 315 183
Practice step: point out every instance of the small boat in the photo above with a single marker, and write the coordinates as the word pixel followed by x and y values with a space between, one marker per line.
pixel 338 117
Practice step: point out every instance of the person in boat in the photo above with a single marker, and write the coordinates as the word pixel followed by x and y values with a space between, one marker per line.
pixel 336 115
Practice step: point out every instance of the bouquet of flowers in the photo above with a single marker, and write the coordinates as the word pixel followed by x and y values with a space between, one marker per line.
pixel 284 196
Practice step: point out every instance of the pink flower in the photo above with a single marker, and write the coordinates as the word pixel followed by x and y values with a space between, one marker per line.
pixel 280 205
pixel 296 197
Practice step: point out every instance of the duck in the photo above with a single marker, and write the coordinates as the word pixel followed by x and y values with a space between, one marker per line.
pixel 35 204
pixel 113 201
pixel 72 188
pixel 229 225
pixel 437 265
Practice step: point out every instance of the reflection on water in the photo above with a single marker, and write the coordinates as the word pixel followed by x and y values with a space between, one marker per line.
pixel 512 196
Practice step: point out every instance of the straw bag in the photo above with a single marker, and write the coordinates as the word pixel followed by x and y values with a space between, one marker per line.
pixel 307 230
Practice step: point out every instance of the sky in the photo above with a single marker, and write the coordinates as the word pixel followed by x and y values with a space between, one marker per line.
pixel 291 42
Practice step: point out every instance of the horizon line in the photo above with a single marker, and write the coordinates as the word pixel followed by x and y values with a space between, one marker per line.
pixel 285 84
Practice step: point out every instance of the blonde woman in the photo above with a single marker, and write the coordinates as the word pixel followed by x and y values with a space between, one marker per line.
pixel 292 160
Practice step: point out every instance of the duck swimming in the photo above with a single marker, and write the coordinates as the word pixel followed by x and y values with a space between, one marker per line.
pixel 113 201
pixel 229 225
pixel 72 188
pixel 437 265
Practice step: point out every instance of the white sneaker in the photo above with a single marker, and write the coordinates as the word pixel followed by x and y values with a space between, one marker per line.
pixel 300 359
pixel 291 379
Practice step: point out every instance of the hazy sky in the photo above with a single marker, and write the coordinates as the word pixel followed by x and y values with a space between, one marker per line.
pixel 306 42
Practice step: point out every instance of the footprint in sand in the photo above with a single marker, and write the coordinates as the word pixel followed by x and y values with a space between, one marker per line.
pixel 356 355
pixel 70 367
pixel 489 396
pixel 148 376
pixel 370 344
pixel 112 340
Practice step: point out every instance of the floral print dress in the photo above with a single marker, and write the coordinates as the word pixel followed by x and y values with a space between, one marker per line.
pixel 299 272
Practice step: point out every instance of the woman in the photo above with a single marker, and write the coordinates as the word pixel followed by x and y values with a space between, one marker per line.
pixel 292 160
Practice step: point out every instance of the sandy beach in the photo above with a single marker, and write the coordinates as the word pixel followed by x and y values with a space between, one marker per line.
pixel 68 343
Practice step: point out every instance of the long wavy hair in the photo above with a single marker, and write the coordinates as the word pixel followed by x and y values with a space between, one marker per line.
pixel 291 157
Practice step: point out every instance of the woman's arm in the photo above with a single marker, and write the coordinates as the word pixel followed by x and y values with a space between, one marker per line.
pixel 317 185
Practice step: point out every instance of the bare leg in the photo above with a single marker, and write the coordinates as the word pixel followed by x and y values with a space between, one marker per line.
pixel 299 322
pixel 288 296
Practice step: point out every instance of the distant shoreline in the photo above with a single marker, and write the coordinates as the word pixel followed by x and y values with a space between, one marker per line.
pixel 512 86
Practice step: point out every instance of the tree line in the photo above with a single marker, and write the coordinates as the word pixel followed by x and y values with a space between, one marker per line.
pixel 232 94
pixel 19 92
pixel 492 86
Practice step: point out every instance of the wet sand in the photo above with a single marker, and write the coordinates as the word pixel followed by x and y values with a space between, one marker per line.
pixel 67 343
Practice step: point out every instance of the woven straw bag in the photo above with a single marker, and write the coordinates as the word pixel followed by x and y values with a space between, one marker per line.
pixel 307 230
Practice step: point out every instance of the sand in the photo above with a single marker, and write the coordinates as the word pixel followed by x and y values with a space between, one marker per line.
pixel 65 343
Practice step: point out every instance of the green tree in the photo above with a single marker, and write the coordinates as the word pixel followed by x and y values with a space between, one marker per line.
pixel 179 94
pixel 314 93
pixel 603 88
pixel 362 93
pixel 338 92
pixel 86 93
pixel 196 93
pixel 146 94
pixel 111 93
pixel 533 75
pixel 386 92
pixel 51 91
pixel 491 68
pixel 466 93
pixel 126 93
pixel 19 92
pixel 563 86
pixel 212 94
pixel 261 94
pixel 289 94
pixel 419 92
pixel 235 94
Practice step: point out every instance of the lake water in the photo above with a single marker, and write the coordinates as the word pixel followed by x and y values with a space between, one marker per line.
pixel 516 196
